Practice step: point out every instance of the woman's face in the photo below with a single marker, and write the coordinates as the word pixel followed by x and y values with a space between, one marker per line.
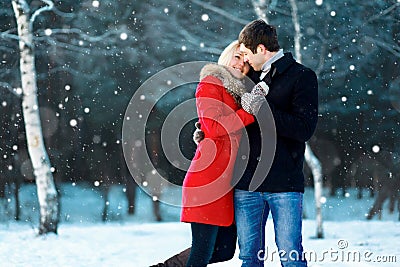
pixel 237 62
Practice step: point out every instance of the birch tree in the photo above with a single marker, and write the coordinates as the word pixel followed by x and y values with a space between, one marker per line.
pixel 47 194
pixel 71 49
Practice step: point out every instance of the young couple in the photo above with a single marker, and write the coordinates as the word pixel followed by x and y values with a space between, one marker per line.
pixel 219 214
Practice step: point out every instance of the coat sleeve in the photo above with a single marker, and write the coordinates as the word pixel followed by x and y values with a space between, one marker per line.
pixel 210 106
pixel 301 121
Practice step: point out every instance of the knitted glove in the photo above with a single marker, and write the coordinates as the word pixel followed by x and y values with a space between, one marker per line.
pixel 260 88
pixel 198 134
pixel 251 103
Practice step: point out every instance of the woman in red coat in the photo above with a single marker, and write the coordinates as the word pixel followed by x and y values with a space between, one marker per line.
pixel 207 196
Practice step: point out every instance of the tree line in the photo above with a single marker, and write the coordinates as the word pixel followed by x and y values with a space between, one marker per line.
pixel 91 57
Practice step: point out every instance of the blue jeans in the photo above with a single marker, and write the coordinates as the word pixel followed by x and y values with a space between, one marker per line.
pixel 251 213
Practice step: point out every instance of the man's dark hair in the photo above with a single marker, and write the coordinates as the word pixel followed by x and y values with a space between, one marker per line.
pixel 259 32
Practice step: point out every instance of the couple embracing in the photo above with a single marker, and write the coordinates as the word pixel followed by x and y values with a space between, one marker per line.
pixel 219 214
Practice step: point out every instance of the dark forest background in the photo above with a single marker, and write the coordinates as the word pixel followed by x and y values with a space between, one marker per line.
pixel 91 59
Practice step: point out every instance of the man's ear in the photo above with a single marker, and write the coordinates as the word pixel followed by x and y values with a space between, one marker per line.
pixel 261 49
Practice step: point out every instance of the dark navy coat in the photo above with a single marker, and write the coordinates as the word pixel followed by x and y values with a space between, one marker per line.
pixel 293 100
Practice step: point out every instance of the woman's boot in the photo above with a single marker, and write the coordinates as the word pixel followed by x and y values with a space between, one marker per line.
pixel 178 260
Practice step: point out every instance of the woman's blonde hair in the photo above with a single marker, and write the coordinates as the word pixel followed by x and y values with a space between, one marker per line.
pixel 226 55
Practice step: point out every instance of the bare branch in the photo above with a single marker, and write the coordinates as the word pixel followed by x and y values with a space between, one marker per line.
pixel 70 70
pixel 77 48
pixel 7 35
pixel 49 7
pixel 384 12
pixel 83 35
pixel 9 88
pixel 321 62
pixel 7 49
pixel 193 40
pixel 391 48
pixel 67 46
pixel 63 14
pixel 220 12
pixel 80 35
pixel 213 50
pixel 334 75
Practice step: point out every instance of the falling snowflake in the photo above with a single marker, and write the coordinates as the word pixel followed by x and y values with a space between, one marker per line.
pixel 376 149
pixel 123 36
pixel 73 123
pixel 205 17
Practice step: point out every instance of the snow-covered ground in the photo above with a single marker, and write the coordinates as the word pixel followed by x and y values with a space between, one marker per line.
pixel 138 240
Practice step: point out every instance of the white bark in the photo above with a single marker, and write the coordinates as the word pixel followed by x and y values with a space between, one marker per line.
pixel 47 194
pixel 311 160
pixel 297 31
pixel 316 169
pixel 261 7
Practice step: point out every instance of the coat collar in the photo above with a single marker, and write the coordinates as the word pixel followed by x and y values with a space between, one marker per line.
pixel 234 86
pixel 279 66
pixel 266 67
pixel 284 62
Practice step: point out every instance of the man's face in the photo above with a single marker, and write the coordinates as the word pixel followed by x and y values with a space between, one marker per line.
pixel 255 60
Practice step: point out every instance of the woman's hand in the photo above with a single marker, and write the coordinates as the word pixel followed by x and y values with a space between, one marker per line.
pixel 260 88
pixel 198 134
pixel 252 103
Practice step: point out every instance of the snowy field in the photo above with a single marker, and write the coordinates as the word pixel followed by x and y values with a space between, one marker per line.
pixel 138 240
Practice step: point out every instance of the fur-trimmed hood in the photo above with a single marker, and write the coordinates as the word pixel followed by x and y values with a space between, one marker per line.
pixel 234 86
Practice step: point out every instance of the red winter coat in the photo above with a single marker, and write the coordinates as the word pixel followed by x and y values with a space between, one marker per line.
pixel 207 195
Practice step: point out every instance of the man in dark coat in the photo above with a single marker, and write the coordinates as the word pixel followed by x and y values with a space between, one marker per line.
pixel 291 93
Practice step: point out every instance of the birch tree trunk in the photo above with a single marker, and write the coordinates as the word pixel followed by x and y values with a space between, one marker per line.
pixel 47 194
pixel 311 160
pixel 316 169
pixel 261 7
